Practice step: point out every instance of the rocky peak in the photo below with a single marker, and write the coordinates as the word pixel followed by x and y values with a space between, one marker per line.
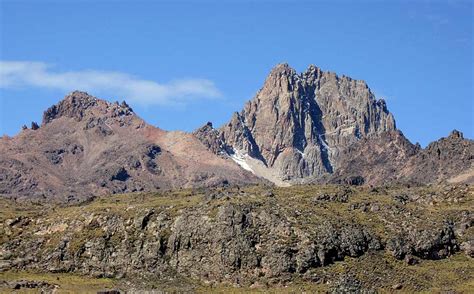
pixel 207 127
pixel 452 156
pixel 211 138
pixel 453 144
pixel 79 104
pixel 73 105
pixel 297 124
pixel 312 73
pixel 205 130
pixel 312 69
pixel 455 134
pixel 282 69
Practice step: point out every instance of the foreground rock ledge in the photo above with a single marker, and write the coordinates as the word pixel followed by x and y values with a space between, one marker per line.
pixel 321 237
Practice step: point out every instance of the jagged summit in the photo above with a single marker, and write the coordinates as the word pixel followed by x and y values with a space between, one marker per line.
pixel 282 69
pixel 297 124
pixel 319 126
pixel 80 104
pixel 455 134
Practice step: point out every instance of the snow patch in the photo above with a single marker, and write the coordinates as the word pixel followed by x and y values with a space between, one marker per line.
pixel 299 151
pixel 240 159
pixel 323 142
pixel 347 131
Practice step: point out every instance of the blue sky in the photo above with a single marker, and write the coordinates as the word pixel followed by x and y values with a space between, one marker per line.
pixel 183 63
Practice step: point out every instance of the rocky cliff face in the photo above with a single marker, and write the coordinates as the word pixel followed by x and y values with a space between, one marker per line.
pixel 391 158
pixel 450 158
pixel 317 126
pixel 298 124
pixel 87 147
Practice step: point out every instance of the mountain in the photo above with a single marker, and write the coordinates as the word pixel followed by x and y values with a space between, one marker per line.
pixel 197 224
pixel 311 127
pixel 318 126
pixel 86 146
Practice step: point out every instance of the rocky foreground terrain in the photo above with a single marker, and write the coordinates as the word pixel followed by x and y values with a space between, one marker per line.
pixel 309 238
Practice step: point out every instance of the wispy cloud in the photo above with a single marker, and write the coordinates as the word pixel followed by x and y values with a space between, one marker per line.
pixel 20 74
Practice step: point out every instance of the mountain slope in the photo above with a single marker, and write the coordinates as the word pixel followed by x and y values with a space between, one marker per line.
pixel 445 159
pixel 87 146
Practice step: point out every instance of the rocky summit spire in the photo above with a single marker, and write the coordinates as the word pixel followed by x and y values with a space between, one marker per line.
pixel 282 69
pixel 73 105
pixel 78 105
pixel 297 124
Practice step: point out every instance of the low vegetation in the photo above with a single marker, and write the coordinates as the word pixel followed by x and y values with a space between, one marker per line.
pixel 244 239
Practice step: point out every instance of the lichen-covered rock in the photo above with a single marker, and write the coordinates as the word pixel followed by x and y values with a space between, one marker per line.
pixel 238 236
pixel 427 244
pixel 241 243
pixel 349 284
pixel 468 248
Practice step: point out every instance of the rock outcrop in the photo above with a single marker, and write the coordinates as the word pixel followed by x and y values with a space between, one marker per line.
pixel 212 139
pixel 391 158
pixel 242 237
pixel 450 158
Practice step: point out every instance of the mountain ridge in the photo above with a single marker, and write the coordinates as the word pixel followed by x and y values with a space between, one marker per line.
pixel 312 127
pixel 300 127
pixel 87 147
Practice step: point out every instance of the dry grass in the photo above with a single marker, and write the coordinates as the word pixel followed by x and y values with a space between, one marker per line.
pixel 298 206
pixel 68 283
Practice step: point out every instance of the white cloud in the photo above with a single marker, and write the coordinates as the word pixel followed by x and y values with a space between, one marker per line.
pixel 17 74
